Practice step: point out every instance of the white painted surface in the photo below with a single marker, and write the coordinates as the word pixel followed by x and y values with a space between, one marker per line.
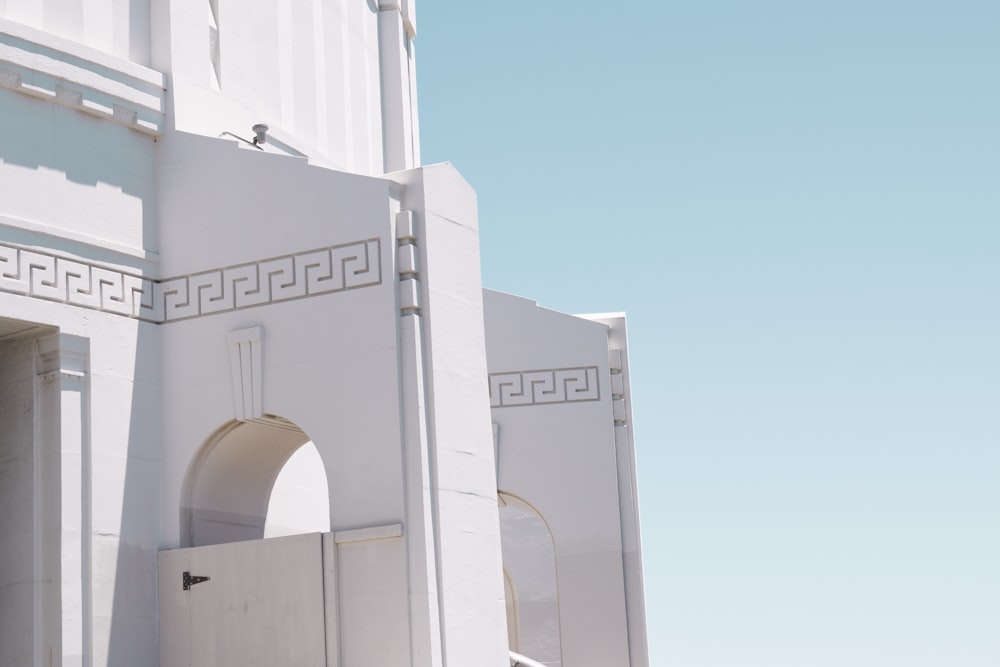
pixel 262 605
pixel 154 247
pixel 555 409
pixel 464 480
pixel 68 73
pixel 372 602
pixel 311 71
pixel 229 484
pixel 97 553
pixel 117 27
pixel 628 492
pixel 73 172
pixel 17 473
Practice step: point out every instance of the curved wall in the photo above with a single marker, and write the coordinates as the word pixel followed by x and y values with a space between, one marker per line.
pixel 333 79
pixel 559 394
pixel 116 27
pixel 308 70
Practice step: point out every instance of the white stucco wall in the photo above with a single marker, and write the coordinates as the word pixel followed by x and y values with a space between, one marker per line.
pixel 463 481
pixel 333 79
pixel 17 499
pixel 628 491
pixel 77 233
pixel 100 426
pixel 554 407
pixel 182 285
pixel 71 174
pixel 116 27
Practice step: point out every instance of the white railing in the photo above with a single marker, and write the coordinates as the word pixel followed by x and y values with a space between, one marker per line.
pixel 518 660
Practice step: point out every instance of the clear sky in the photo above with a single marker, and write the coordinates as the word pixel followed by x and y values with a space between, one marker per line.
pixel 798 205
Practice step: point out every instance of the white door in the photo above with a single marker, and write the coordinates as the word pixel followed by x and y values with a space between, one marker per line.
pixel 261 603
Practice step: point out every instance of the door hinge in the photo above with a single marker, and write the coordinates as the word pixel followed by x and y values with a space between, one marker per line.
pixel 190 581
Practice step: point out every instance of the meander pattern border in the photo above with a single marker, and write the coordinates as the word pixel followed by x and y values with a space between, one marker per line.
pixel 43 275
pixel 544 386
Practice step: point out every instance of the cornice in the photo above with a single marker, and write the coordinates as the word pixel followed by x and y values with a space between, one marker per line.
pixel 56 70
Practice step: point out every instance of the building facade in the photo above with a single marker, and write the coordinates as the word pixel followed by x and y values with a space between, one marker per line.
pixel 235 306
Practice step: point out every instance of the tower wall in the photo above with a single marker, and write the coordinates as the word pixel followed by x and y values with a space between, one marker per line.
pixel 117 27
pixel 332 79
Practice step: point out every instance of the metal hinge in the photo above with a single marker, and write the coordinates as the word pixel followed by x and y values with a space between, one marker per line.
pixel 190 581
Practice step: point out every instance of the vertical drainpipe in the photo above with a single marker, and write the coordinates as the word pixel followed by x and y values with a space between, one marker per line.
pixel 395 35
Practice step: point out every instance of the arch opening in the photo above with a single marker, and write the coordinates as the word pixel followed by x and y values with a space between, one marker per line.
pixel 530 581
pixel 27 412
pixel 252 480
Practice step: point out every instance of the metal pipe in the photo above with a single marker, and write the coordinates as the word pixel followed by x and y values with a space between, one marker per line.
pixel 518 660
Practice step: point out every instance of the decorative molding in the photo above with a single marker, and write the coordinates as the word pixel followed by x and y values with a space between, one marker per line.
pixel 245 363
pixel 617 386
pixel 63 498
pixel 31 234
pixel 46 276
pixel 311 273
pixel 43 275
pixel 38 64
pixel 405 9
pixel 407 264
pixel 62 357
pixel 544 387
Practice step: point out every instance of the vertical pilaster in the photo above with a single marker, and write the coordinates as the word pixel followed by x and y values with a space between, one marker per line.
pixel 425 620
pixel 628 501
pixel 460 443
pixel 63 498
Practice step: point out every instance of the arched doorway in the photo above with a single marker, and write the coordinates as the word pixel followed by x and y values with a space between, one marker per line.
pixel 230 597
pixel 252 480
pixel 31 443
pixel 530 580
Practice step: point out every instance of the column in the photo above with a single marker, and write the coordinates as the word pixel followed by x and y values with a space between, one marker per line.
pixel 63 499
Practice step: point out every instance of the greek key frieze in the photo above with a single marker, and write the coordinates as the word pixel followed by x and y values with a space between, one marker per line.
pixel 541 387
pixel 42 275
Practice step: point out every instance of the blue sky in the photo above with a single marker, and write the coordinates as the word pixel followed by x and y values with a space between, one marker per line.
pixel 798 205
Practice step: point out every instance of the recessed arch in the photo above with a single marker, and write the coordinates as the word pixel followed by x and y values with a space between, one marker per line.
pixel 228 486
pixel 32 415
pixel 531 578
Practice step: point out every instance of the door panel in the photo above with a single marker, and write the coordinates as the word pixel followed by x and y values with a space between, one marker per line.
pixel 263 604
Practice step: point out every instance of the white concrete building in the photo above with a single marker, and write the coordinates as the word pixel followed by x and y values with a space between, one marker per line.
pixel 211 335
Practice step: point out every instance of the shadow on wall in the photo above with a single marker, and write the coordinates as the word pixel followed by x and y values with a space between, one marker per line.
pixel 132 552
pixel 86 151
pixel 236 475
